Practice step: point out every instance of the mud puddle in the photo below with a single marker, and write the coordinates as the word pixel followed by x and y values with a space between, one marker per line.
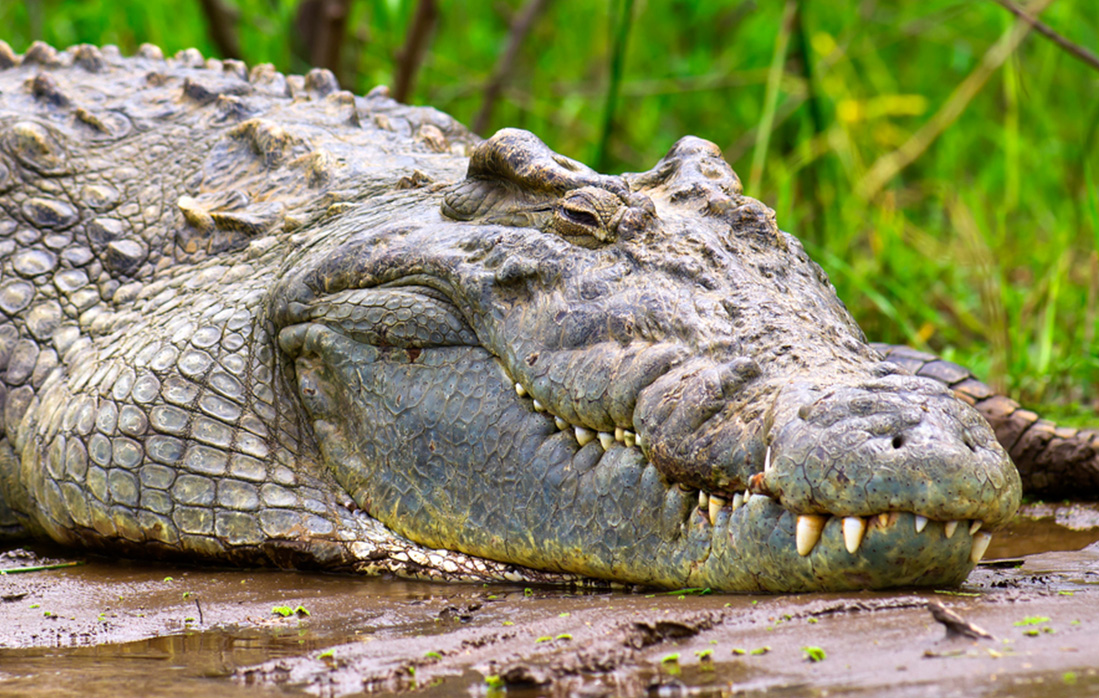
pixel 120 628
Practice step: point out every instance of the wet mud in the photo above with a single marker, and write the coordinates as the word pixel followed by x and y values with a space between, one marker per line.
pixel 120 628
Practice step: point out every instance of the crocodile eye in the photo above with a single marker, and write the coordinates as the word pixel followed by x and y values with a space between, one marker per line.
pixel 584 218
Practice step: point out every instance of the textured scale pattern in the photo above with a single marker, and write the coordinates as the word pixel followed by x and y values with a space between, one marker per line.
pixel 132 254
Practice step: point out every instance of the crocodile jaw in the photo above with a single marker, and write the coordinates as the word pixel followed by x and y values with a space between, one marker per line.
pixel 530 489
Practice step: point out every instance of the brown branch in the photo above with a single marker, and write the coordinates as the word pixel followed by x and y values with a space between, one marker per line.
pixel 321 27
pixel 221 21
pixel 1073 49
pixel 520 27
pixel 412 53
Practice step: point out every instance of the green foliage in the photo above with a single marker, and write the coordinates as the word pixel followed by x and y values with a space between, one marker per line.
pixel 984 249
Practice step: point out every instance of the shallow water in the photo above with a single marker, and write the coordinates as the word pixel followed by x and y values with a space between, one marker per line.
pixel 121 628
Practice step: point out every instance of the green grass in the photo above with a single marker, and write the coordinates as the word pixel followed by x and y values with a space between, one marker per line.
pixel 985 248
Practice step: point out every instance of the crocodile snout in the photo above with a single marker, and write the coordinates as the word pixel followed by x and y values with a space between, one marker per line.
pixel 892 444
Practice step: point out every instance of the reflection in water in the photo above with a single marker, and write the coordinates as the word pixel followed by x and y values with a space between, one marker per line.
pixel 1043 528
pixel 178 665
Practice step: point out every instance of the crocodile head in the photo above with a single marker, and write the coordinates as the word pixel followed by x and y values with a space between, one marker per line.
pixel 636 378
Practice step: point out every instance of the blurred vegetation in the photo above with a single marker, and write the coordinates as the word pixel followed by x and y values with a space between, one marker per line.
pixel 983 248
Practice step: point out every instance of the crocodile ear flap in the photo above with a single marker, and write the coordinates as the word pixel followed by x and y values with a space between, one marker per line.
pixel 515 171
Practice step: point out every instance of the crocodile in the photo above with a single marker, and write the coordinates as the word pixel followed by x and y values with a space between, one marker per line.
pixel 251 318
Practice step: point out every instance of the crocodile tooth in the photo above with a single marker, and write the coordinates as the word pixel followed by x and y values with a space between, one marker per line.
pixel 747 495
pixel 629 438
pixel 738 501
pixel 883 519
pixel 980 546
pixel 767 460
pixel 642 442
pixel 703 501
pixel 976 526
pixel 854 528
pixel 808 532
pixel 584 436
pixel 562 425
pixel 607 440
pixel 539 407
pixel 619 434
pixel 716 503
pixel 949 527
pixel 921 522
pixel 683 487
pixel 520 390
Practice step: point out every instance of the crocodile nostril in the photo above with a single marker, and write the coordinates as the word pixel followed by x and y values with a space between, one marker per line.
pixel 898 441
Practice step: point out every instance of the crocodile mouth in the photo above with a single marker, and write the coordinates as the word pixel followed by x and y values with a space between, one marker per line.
pixel 718 511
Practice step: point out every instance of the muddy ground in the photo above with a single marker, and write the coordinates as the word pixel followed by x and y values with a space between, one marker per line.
pixel 121 628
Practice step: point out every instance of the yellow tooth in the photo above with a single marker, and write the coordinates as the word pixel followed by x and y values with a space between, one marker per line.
pixel 562 425
pixel 883 519
pixel 619 434
pixel 629 438
pixel 738 500
pixel 949 527
pixel 539 407
pixel 854 528
pixel 921 522
pixel 584 436
pixel 606 440
pixel 976 526
pixel 520 390
pixel 980 546
pixel 808 532
pixel 703 501
pixel 716 503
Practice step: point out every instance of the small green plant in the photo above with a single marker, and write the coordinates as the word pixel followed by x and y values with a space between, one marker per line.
pixel 286 611
pixel 670 658
pixel 814 654
pixel 430 654
pixel 1032 620
pixel 327 654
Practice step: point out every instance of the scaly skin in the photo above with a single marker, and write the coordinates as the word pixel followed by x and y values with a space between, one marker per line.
pixel 253 319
